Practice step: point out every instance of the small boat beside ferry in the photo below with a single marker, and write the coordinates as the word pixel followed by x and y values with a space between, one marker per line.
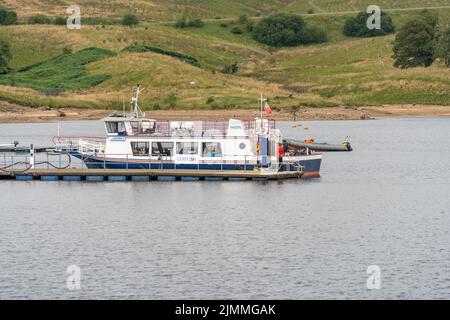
pixel 134 141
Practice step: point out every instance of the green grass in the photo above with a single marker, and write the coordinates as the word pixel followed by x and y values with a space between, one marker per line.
pixel 64 72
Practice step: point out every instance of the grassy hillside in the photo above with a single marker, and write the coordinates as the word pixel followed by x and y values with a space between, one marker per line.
pixel 166 10
pixel 343 71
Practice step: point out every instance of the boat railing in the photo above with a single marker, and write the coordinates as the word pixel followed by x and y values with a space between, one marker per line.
pixel 83 144
pixel 206 128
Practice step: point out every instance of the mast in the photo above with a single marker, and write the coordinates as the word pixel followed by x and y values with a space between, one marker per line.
pixel 136 110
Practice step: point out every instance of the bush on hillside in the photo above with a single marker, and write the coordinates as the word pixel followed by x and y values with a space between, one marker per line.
pixel 183 22
pixel 243 19
pixel 39 19
pixel 7 17
pixel 237 30
pixel 357 26
pixel 286 30
pixel 60 21
pixel 312 34
pixel 130 20
pixel 196 23
pixel 231 68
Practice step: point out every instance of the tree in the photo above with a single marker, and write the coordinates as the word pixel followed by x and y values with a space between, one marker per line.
pixel 7 17
pixel 414 45
pixel 279 30
pixel 5 56
pixel 282 29
pixel 443 47
pixel 431 19
pixel 130 20
pixel 357 26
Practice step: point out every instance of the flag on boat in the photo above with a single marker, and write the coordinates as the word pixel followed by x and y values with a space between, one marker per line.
pixel 267 108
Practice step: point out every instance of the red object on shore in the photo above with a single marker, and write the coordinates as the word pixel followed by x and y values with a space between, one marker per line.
pixel 267 108
pixel 280 151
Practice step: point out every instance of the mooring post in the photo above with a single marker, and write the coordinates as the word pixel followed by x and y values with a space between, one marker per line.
pixel 31 156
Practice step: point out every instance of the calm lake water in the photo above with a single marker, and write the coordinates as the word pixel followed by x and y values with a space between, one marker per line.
pixel 385 204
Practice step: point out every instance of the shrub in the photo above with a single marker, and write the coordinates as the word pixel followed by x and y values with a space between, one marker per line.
pixel 230 68
pixel 7 17
pixel 310 11
pixel 312 34
pixel 60 21
pixel 210 100
pixel 357 26
pixel 39 19
pixel 130 20
pixel 196 23
pixel 183 22
pixel 224 25
pixel 237 30
pixel 243 19
pixel 249 26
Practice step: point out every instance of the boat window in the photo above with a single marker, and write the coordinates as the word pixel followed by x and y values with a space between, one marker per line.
pixel 187 147
pixel 145 127
pixel 211 149
pixel 162 148
pixel 112 127
pixel 116 127
pixel 121 128
pixel 140 148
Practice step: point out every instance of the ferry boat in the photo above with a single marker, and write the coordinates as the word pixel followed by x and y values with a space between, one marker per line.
pixel 134 141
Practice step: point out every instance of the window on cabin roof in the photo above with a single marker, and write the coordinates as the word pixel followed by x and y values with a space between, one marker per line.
pixel 115 127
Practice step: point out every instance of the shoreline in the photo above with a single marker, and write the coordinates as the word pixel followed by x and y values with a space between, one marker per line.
pixel 21 114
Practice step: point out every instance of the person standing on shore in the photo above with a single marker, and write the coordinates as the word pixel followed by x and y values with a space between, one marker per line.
pixel 280 155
